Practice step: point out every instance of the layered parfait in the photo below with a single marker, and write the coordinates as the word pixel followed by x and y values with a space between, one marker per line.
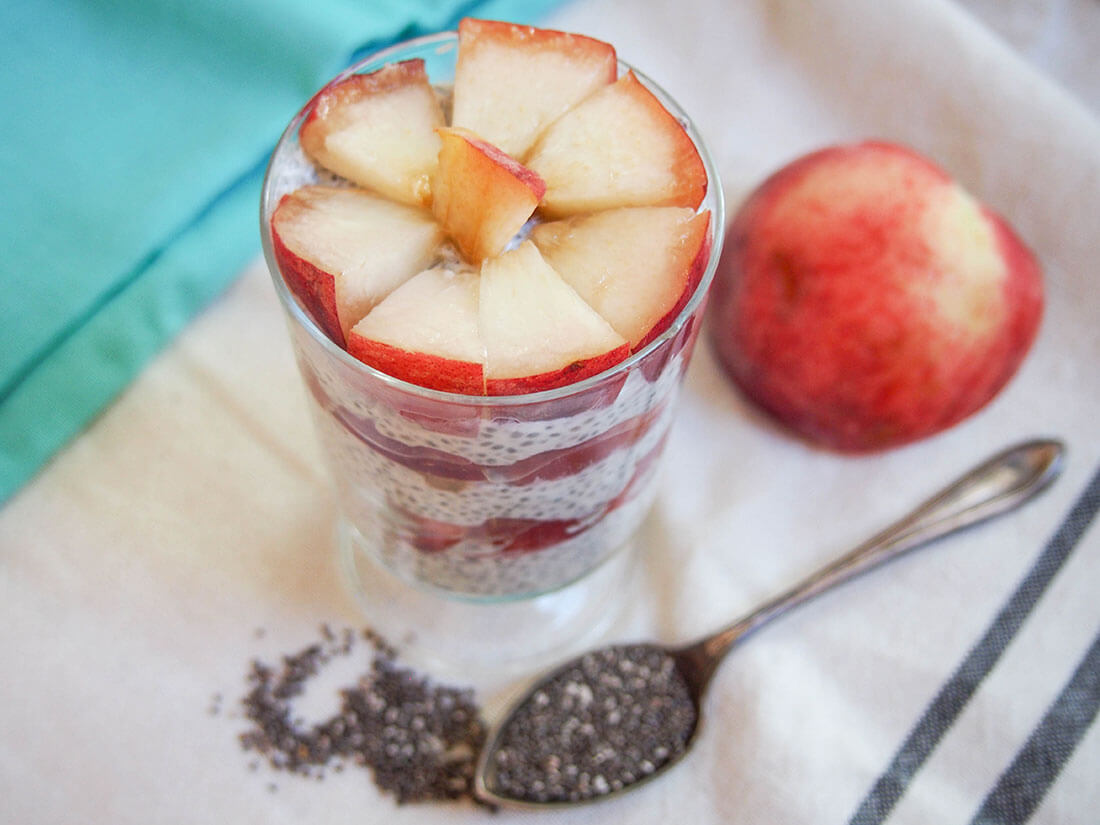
pixel 498 272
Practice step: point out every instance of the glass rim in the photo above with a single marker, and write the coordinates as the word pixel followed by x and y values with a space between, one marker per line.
pixel 303 318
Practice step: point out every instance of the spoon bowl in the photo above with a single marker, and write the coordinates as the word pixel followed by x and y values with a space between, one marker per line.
pixel 616 718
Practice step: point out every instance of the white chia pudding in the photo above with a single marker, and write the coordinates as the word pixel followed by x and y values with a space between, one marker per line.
pixel 485 503
pixel 483 497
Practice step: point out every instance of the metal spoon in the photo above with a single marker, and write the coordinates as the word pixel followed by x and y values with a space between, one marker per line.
pixel 615 718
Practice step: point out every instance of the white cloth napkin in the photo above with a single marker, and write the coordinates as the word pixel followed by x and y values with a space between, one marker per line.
pixel 136 569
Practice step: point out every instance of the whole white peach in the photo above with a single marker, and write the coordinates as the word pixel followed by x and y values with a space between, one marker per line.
pixel 865 300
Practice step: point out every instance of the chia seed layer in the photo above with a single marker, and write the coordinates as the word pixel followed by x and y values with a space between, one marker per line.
pixel 472 502
pixel 475 568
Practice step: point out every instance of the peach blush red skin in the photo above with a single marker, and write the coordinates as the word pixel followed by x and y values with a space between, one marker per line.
pixel 433 372
pixel 799 365
pixel 569 374
pixel 314 287
pixel 357 86
pixel 528 178
pixel 467 378
pixel 471 30
pixel 695 276
pixel 692 174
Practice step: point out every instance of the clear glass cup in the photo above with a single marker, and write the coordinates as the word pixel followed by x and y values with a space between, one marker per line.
pixel 487 529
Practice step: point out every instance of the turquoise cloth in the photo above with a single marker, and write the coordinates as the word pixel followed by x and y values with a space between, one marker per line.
pixel 134 141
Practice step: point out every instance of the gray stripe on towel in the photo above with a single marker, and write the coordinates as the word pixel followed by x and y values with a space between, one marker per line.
pixel 956 692
pixel 1021 788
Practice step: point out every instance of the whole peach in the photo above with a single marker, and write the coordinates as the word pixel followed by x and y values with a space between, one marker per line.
pixel 865 300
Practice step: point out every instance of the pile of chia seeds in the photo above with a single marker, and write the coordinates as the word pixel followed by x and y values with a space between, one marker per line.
pixel 606 722
pixel 419 740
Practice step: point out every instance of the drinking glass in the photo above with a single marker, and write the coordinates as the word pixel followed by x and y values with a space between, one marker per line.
pixel 487 529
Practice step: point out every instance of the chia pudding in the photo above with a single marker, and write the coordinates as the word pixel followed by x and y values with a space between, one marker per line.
pixel 493 499
pixel 484 497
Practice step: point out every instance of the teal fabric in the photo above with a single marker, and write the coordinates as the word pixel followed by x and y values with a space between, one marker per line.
pixel 135 137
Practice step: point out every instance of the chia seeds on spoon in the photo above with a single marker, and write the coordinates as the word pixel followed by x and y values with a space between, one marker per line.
pixel 606 722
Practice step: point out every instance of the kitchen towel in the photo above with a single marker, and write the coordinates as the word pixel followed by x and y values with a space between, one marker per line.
pixel 135 140
pixel 188 531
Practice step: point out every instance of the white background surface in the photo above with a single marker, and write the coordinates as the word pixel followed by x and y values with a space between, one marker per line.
pixel 136 568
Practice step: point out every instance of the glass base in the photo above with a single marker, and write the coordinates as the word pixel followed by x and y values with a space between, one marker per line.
pixel 483 643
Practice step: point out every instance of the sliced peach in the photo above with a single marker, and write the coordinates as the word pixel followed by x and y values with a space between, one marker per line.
pixel 482 197
pixel 426 333
pixel 378 130
pixel 619 147
pixel 636 266
pixel 513 81
pixel 538 333
pixel 343 250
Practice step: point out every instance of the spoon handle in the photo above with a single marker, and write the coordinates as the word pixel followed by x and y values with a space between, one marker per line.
pixel 996 486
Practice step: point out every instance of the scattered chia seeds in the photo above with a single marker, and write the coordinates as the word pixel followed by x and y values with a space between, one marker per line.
pixel 419 740
pixel 608 721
